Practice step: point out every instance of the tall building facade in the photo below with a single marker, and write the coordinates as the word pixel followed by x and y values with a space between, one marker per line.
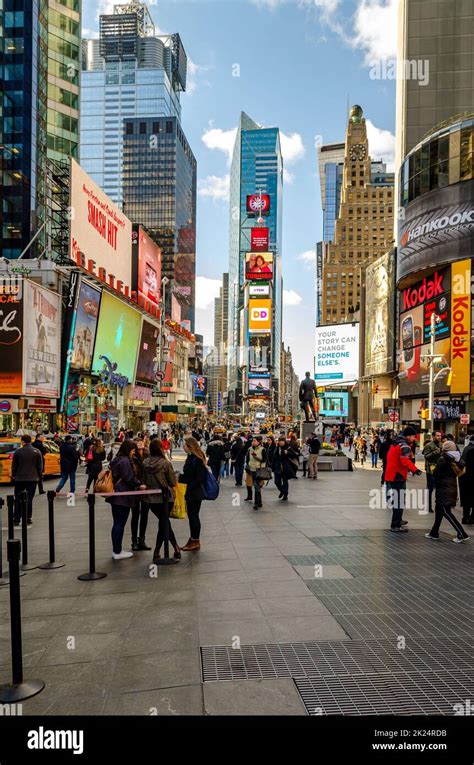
pixel 39 115
pixel 128 72
pixel 331 171
pixel 256 186
pixel 216 360
pixel 159 192
pixel 364 228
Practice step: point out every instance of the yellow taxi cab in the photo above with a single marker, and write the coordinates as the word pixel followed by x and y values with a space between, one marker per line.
pixel 8 446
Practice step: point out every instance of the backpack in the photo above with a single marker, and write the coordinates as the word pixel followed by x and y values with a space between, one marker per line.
pixel 90 455
pixel 458 471
pixel 210 486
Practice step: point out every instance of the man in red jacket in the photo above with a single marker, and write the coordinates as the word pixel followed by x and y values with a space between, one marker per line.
pixel 400 462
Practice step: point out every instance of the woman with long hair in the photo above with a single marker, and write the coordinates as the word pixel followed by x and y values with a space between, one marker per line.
pixel 140 508
pixel 94 458
pixel 124 480
pixel 193 475
pixel 158 473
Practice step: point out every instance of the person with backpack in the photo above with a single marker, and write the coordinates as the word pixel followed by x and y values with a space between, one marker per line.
pixel 125 481
pixel 448 468
pixel 431 453
pixel 215 454
pixel 314 445
pixel 194 476
pixel 284 465
pixel 68 459
pixel 400 462
pixel 226 460
pixel 158 473
pixel 95 456
pixel 256 460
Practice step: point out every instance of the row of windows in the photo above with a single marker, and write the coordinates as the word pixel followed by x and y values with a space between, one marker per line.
pixel 63 23
pixel 62 145
pixel 128 78
pixel 62 121
pixel 63 47
pixel 65 71
pixel 64 97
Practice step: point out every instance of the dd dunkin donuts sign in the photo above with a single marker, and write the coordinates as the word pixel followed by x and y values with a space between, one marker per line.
pixel 438 228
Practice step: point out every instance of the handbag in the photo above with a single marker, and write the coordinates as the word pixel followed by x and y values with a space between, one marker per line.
pixel 104 483
pixel 179 509
pixel 263 474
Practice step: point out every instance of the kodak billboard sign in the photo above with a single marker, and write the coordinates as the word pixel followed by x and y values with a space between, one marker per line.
pixel 461 326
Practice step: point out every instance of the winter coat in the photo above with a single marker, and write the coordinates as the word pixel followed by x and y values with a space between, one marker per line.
pixel 37 444
pixel 431 453
pixel 256 458
pixel 446 484
pixel 466 481
pixel 271 449
pixel 285 461
pixel 314 445
pixel 94 466
pixel 399 461
pixel 158 473
pixel 237 451
pixel 124 479
pixel 215 451
pixel 68 458
pixel 27 464
pixel 194 472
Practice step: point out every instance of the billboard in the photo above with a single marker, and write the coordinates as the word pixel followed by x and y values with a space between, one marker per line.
pixel 380 316
pixel 260 315
pixel 259 385
pixel 146 269
pixel 42 346
pixel 199 386
pixel 259 239
pixel 437 228
pixel 259 266
pixel 87 315
pixel 334 404
pixel 337 353
pixel 258 204
pixel 147 364
pixel 118 336
pixel 259 290
pixel 461 326
pixel 11 335
pixel 100 234
pixel 260 357
pixel 413 374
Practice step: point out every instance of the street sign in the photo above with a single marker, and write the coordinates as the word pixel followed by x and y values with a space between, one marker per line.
pixel 393 415
pixel 465 419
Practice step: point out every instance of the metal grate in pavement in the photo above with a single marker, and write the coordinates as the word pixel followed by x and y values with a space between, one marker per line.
pixel 368 585
pixel 396 603
pixel 426 693
pixel 444 624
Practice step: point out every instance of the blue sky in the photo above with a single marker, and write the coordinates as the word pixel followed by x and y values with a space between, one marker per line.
pixel 299 63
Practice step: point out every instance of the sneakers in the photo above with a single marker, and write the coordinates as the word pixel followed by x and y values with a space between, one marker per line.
pixel 430 536
pixel 397 530
pixel 122 555
pixel 458 540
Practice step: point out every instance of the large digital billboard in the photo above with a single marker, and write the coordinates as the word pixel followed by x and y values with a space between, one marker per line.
pixel 461 326
pixel 42 346
pixel 118 336
pixel 259 352
pixel 380 316
pixel 199 386
pixel 259 385
pixel 259 239
pixel 11 335
pixel 147 364
pixel 337 353
pixel 87 315
pixel 260 315
pixel 259 266
pixel 334 404
pixel 258 204
pixel 100 234
pixel 146 268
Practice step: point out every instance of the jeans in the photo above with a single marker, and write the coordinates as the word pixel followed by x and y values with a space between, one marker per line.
pixel 225 469
pixel 30 487
pixel 239 474
pixel 258 490
pixel 159 511
pixel 442 511
pixel 193 507
pixel 139 514
pixel 396 501
pixel 120 516
pixel 430 485
pixel 63 479
pixel 375 457
pixel 281 483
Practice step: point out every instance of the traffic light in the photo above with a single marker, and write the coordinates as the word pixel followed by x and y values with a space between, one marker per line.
pixel 375 388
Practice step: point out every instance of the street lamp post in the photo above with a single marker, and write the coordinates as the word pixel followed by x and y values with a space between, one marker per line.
pixel 164 282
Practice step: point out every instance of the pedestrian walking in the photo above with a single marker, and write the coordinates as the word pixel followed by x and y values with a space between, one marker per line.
pixel 226 460
pixel 305 457
pixel 95 456
pixel 399 463
pixel 374 450
pixel 125 481
pixel 237 455
pixel 466 483
pixel 68 460
pixel 256 459
pixel 215 454
pixel 139 521
pixel 27 471
pixel 431 453
pixel 383 452
pixel 284 465
pixel 448 468
pixel 158 473
pixel 362 450
pixel 193 475
pixel 38 443
pixel 314 445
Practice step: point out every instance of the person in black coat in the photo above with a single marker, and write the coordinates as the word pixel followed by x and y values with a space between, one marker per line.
pixel 446 472
pixel 284 465
pixel 68 459
pixel 193 475
pixel 125 481
pixel 237 455
pixel 95 456
pixel 466 483
pixel 216 455
pixel 38 444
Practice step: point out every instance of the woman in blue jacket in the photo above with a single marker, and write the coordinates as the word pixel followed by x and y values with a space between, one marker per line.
pixel 125 480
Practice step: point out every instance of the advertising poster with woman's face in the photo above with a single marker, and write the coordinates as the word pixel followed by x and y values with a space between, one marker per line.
pixel 259 266
pixel 42 342
pixel 86 324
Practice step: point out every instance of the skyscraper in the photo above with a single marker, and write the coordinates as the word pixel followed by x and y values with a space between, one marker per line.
pixel 256 173
pixel 128 72
pixel 39 115
pixel 331 169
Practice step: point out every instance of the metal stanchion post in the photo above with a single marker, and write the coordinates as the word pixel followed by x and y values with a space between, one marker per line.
pixel 11 513
pixel 52 562
pixel 3 577
pixel 18 689
pixel 92 573
pixel 25 566
pixel 166 560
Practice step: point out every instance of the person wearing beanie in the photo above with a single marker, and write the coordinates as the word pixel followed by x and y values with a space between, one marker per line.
pixel 449 467
pixel 400 462
pixel 466 483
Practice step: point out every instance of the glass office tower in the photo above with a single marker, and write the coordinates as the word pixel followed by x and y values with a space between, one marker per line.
pixel 128 72
pixel 257 166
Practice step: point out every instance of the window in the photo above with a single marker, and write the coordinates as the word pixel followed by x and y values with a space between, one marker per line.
pixel 142 128
pixel 129 128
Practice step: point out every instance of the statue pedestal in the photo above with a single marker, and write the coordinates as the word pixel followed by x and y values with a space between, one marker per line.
pixel 308 428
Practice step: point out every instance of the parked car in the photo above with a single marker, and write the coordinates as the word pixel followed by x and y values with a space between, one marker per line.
pixel 8 447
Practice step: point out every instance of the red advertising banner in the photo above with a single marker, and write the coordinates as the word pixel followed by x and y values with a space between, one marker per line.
pixel 258 204
pixel 259 239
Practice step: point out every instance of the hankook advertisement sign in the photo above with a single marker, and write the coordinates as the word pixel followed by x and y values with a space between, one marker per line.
pixel 100 234
pixel 258 204
pixel 438 227
pixel 380 316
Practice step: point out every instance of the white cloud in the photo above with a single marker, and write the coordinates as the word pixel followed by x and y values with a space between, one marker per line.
pixel 308 257
pixel 287 176
pixel 267 3
pixel 206 290
pixel 194 73
pixel 90 34
pixel 222 140
pixel 292 147
pixel 381 145
pixel 375 28
pixel 291 298
pixel 214 186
